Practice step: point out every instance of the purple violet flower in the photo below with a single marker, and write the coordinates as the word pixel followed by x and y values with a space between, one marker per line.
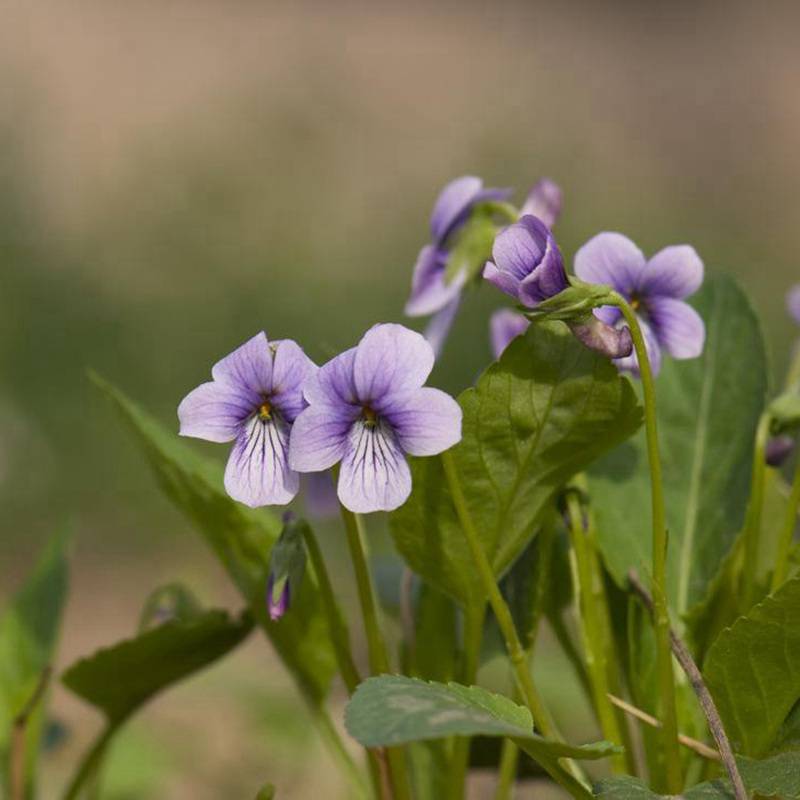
pixel 253 399
pixel 504 326
pixel 543 201
pixel 656 290
pixel 431 293
pixel 793 302
pixel 526 262
pixel 368 408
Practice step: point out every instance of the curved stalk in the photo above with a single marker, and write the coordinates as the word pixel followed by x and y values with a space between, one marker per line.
pixel 673 783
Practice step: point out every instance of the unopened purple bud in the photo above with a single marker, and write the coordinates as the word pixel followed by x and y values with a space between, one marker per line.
pixel 543 201
pixel 602 338
pixel 778 450
pixel 277 605
pixel 793 302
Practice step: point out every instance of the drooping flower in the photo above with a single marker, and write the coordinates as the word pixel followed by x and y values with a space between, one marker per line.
pixel 656 289
pixel 504 326
pixel 253 400
pixel 526 262
pixel 432 292
pixel 368 408
pixel 793 302
pixel 544 201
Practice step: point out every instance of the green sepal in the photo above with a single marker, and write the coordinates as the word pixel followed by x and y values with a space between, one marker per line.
pixel 784 412
pixel 574 302
pixel 472 246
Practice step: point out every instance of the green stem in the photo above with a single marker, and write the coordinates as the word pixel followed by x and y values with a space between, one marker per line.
pixel 519 662
pixel 340 636
pixel 752 530
pixel 509 758
pixel 378 657
pixel 337 627
pixel 596 649
pixel 376 646
pixel 473 636
pixel 91 761
pixel 666 680
pixel 338 750
pixel 787 533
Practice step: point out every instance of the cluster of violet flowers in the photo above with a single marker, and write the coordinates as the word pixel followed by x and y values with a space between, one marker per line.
pixel 368 408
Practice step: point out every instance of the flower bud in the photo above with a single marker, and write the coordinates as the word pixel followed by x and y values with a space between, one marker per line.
pixel 778 449
pixel 287 564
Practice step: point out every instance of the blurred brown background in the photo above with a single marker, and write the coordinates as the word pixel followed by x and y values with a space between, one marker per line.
pixel 175 176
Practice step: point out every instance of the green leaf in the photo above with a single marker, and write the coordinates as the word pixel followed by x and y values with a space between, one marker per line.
pixel 753 670
pixel 393 710
pixel 544 412
pixel 29 632
pixel 267 792
pixel 778 776
pixel 242 539
pixel 119 679
pixel 706 450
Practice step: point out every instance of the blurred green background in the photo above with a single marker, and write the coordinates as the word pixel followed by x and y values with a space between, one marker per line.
pixel 175 176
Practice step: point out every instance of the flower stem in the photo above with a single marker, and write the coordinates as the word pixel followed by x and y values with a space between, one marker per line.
pixel 505 621
pixel 337 627
pixel 752 528
pixel 340 635
pixel 376 646
pixel 787 533
pixel 473 634
pixel 596 649
pixel 509 758
pixel 670 751
pixel 378 657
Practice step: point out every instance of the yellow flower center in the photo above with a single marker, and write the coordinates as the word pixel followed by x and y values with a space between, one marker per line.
pixel 265 411
pixel 370 417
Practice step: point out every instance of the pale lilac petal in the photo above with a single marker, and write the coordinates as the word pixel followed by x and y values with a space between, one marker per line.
pixel 374 475
pixel 258 471
pixel 631 364
pixel 675 271
pixel 452 205
pixel 390 359
pixel 290 370
pixel 215 411
pixel 426 422
pixel 320 495
pixel 438 328
pixel 793 302
pixel 520 247
pixel 543 201
pixel 249 366
pixel 502 280
pixel 678 327
pixel 333 382
pixel 504 326
pixel 611 259
pixel 430 292
pixel 319 436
